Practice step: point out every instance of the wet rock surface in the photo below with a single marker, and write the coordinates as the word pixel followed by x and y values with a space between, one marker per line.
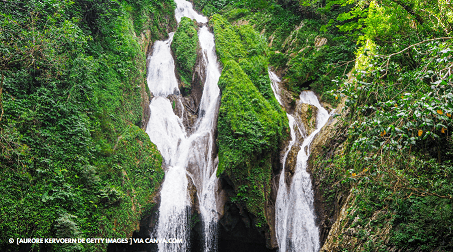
pixel 306 115
pixel 290 165
pixel 176 104
pixel 327 145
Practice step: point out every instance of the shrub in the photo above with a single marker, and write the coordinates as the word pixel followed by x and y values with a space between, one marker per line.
pixel 185 47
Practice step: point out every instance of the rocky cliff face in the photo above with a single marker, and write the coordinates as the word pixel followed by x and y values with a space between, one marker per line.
pixel 237 226
pixel 334 202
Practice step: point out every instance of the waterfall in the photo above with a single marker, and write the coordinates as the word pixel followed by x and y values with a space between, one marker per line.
pixel 295 219
pixel 161 69
pixel 187 157
pixel 185 9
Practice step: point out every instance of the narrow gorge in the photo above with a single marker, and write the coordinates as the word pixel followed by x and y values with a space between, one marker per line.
pixel 191 186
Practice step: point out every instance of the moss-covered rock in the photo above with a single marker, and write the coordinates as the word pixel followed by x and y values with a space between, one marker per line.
pixel 228 42
pixel 185 47
pixel 251 123
pixel 247 122
pixel 250 130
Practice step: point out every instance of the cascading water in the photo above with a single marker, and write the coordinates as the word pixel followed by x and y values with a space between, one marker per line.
pixel 185 9
pixel 186 157
pixel 295 219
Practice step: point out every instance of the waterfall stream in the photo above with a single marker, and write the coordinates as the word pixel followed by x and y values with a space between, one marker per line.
pixel 295 218
pixel 188 157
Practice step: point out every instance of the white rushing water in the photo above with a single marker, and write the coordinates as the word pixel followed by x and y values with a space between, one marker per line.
pixel 295 219
pixel 274 84
pixel 161 69
pixel 185 9
pixel 186 156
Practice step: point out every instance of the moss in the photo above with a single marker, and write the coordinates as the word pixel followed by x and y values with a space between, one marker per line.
pixel 293 48
pixel 245 115
pixel 251 123
pixel 250 130
pixel 247 47
pixel 134 173
pixel 228 42
pixel 185 47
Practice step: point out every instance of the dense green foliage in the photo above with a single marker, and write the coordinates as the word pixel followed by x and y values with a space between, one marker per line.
pixel 185 47
pixel 247 136
pixel 397 158
pixel 251 123
pixel 396 161
pixel 74 162
pixel 401 124
pixel 305 56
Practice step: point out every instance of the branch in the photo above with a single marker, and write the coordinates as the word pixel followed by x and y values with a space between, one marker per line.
pixel 334 65
pixel 421 192
pixel 407 48
pixel 419 43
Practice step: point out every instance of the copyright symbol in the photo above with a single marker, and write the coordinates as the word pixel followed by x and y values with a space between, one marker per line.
pixel 11 240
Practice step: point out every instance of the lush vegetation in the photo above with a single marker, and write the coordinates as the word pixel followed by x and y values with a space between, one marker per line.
pixel 74 161
pixel 185 47
pixel 400 124
pixel 305 56
pixel 247 138
pixel 251 123
pixel 397 157
pixel 396 160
